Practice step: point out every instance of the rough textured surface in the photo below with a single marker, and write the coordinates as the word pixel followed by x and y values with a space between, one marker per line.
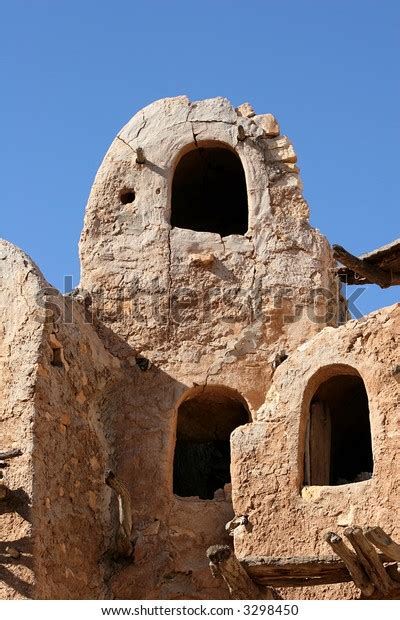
pixel 285 517
pixel 71 503
pixel 199 323
pixel 20 340
pixel 57 510
pixel 162 314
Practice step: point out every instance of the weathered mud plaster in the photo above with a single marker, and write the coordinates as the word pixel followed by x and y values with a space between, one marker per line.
pixel 55 373
pixel 164 314
pixel 222 324
pixel 286 517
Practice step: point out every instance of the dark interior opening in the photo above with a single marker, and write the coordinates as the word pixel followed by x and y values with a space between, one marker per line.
pixel 57 358
pixel 338 443
pixel 202 450
pixel 209 192
pixel 127 196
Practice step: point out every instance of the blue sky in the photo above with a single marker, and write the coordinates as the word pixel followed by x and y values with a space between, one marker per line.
pixel 72 73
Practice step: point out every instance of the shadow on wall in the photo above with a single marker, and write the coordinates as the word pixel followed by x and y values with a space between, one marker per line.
pixel 16 553
pixel 24 560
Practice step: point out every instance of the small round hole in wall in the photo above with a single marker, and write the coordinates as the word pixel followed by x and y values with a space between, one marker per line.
pixel 127 196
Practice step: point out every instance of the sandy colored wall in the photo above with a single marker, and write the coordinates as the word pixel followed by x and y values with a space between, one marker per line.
pixel 59 513
pixel 218 324
pixel 193 320
pixel 286 518
pixel 72 505
pixel 100 388
pixel 20 339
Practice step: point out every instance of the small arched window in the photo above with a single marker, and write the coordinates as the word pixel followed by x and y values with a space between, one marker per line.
pixel 202 451
pixel 209 192
pixel 338 446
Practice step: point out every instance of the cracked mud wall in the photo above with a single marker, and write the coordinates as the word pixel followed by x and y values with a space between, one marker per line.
pixel 204 310
pixel 144 275
pixel 175 311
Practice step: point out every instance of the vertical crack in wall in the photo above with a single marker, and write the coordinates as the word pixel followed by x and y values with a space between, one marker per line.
pixel 194 135
pixel 141 127
pixel 232 347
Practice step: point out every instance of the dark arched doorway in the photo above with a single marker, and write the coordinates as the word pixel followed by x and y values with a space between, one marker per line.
pixel 338 447
pixel 209 192
pixel 202 451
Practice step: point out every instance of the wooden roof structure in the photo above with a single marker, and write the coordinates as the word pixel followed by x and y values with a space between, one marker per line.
pixel 382 266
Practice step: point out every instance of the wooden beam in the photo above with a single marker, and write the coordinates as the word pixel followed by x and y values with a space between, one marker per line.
pixel 374 274
pixel 320 444
pixel 393 570
pixel 350 559
pixel 10 454
pixel 383 541
pixel 241 587
pixel 140 156
pixel 124 544
pixel 369 559
pixel 296 571
pixel 301 582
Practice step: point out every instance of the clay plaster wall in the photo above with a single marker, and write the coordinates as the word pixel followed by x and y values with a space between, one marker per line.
pixel 199 323
pixel 72 451
pixel 285 518
pixel 192 319
pixel 73 421
pixel 57 514
pixel 20 339
pixel 193 322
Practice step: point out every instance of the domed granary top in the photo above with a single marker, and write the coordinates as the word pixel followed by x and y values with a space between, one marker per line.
pixel 199 195
pixel 210 133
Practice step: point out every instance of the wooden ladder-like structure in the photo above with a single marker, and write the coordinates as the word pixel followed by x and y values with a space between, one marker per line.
pixel 371 561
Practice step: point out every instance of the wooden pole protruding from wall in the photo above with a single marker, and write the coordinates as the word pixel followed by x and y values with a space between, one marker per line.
pixel 140 156
pixel 10 454
pixel 369 559
pixel 241 587
pixel 350 559
pixel 382 541
pixel 124 544
pixel 373 274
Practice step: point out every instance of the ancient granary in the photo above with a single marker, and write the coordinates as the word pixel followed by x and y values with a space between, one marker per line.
pixel 207 375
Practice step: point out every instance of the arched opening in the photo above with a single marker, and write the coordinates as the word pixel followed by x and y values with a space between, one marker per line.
pixel 338 446
pixel 209 192
pixel 202 451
